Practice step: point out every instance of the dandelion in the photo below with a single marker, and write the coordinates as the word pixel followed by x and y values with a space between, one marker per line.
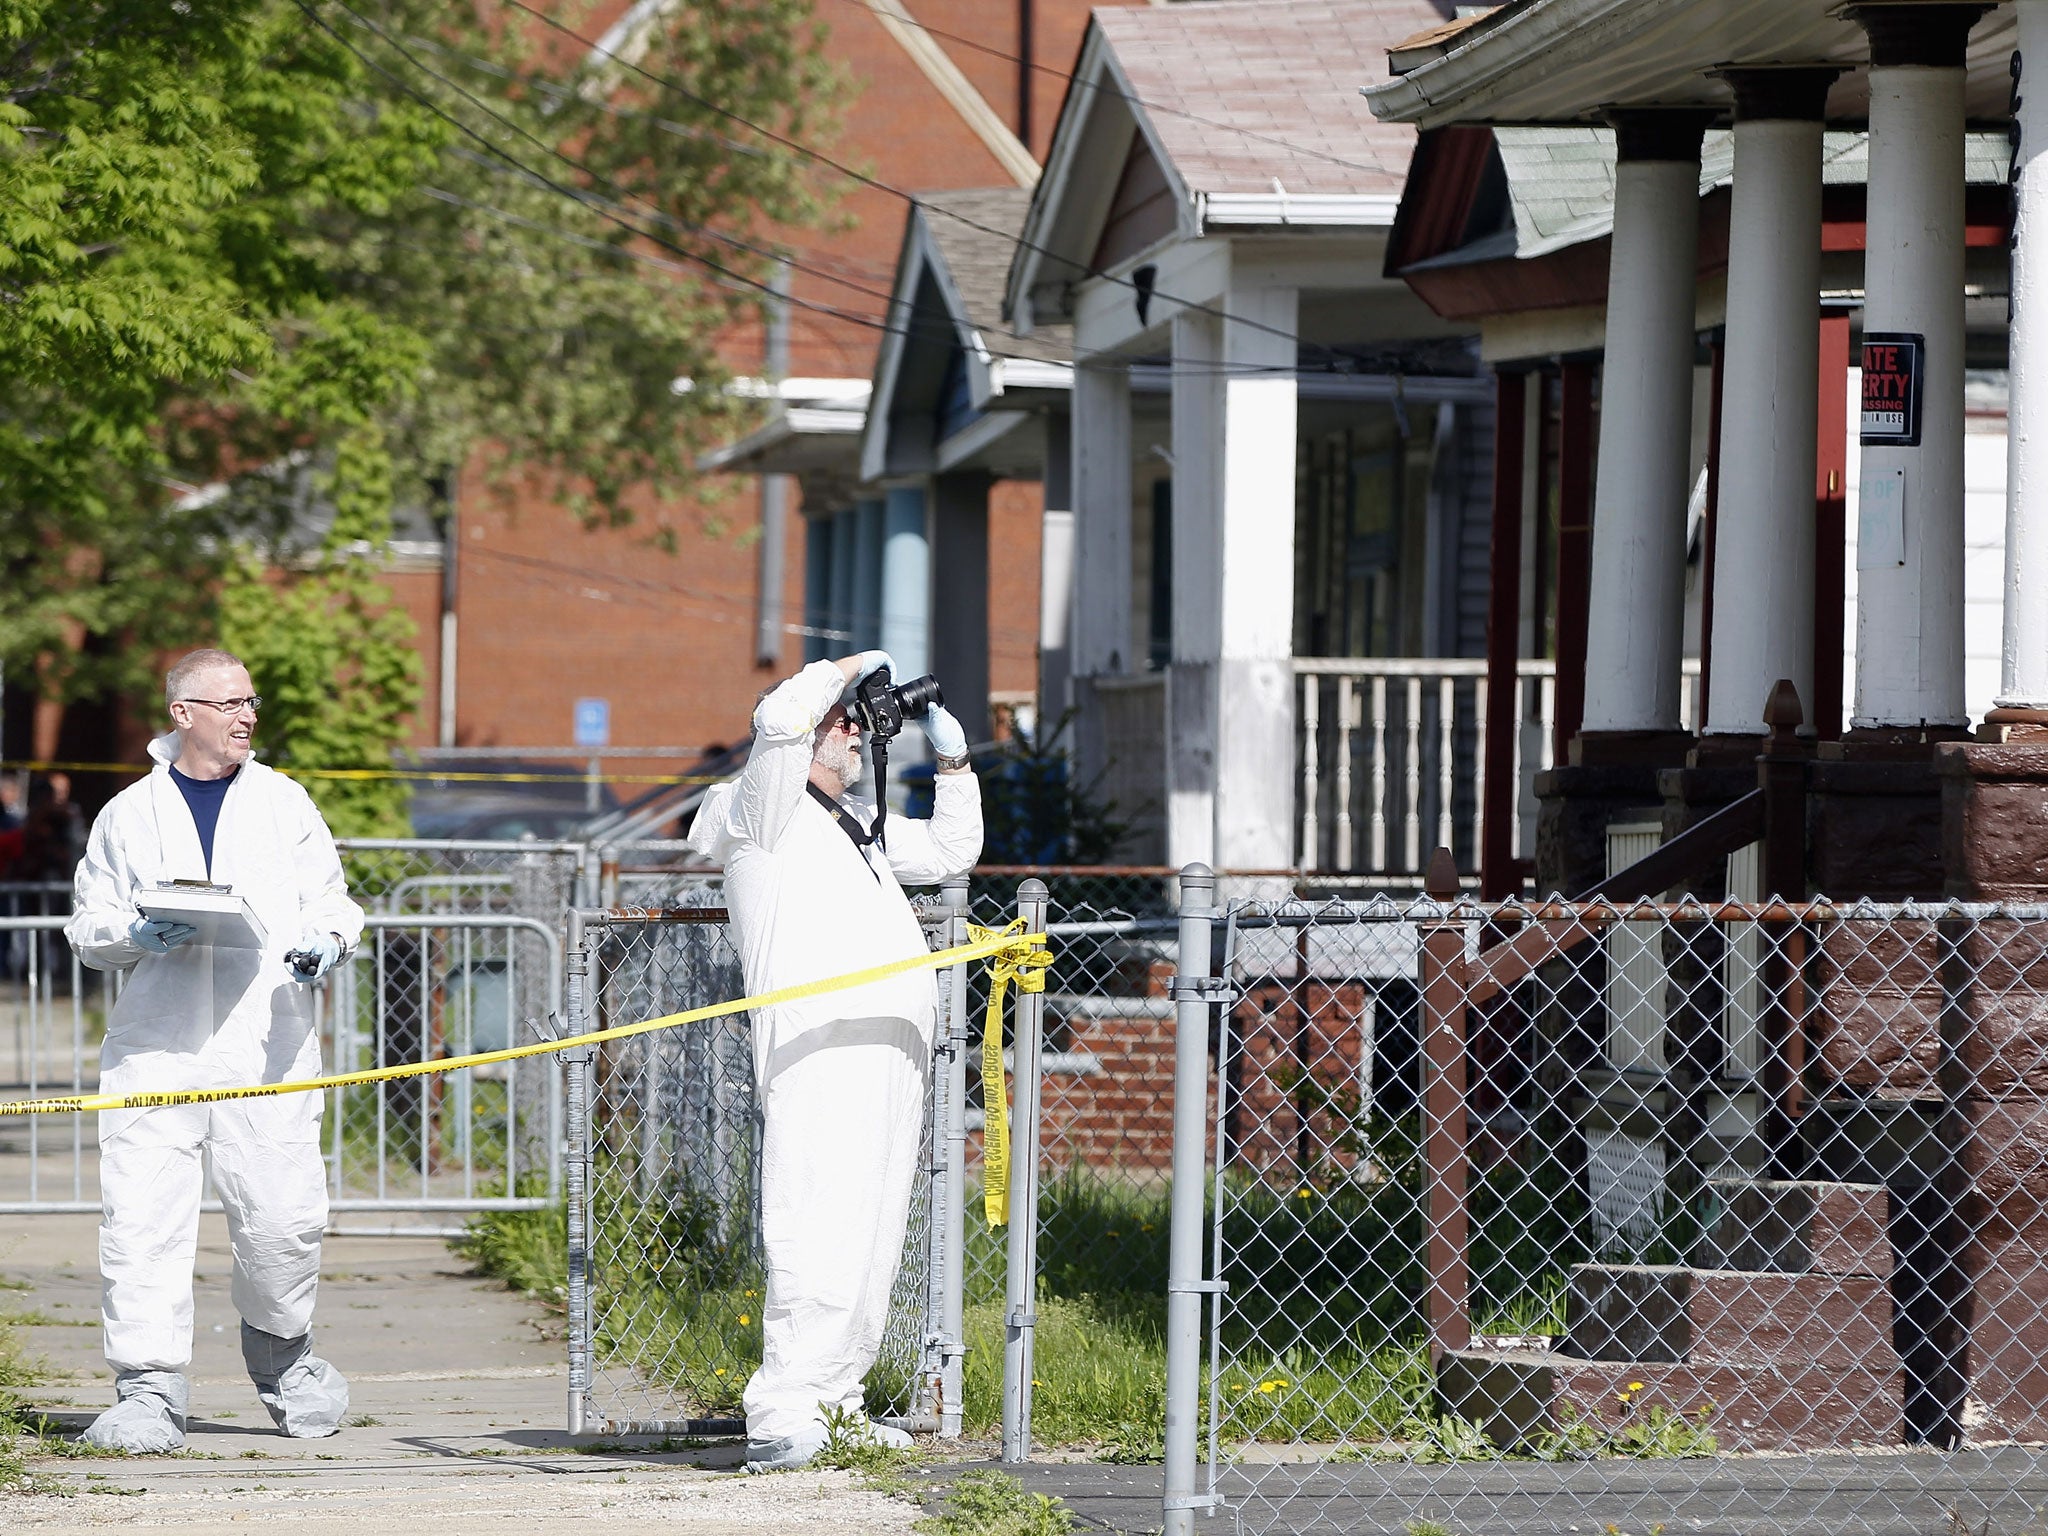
pixel 1146 1228
pixel 745 1319
pixel 1635 1386
pixel 1270 1387
pixel 1114 1233
pixel 1303 1193
pixel 719 1372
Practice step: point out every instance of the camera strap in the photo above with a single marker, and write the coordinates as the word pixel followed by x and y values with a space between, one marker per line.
pixel 845 824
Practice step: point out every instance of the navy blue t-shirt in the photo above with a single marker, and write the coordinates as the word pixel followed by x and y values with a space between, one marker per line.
pixel 204 797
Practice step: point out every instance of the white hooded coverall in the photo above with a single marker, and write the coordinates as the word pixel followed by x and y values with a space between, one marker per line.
pixel 201 1017
pixel 841 1078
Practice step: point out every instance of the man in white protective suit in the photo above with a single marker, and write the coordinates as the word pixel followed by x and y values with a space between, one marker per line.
pixel 841 1077
pixel 194 1015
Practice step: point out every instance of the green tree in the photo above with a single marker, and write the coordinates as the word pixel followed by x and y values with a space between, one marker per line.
pixel 335 661
pixel 248 244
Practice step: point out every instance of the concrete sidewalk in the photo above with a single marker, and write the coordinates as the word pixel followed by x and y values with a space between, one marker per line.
pixel 458 1396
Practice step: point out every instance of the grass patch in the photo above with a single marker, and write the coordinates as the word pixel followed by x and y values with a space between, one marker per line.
pixel 988 1503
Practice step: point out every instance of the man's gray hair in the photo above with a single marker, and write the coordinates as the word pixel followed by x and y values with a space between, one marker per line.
pixel 186 668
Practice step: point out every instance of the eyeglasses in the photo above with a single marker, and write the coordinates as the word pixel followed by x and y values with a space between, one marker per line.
pixel 253 703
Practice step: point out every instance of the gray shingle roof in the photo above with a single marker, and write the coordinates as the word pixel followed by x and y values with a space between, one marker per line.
pixel 1243 93
pixel 1561 179
pixel 976 232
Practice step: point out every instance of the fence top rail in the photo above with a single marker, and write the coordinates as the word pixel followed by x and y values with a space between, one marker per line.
pixel 453 845
pixel 626 917
pixel 1430 666
pixel 1298 913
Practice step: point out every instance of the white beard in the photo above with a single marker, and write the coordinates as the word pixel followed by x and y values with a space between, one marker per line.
pixel 841 759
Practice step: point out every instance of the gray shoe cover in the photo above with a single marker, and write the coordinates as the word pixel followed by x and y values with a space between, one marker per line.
pixel 307 1397
pixel 788 1453
pixel 148 1416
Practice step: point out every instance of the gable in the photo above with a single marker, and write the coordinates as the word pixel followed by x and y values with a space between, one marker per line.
pixel 1141 211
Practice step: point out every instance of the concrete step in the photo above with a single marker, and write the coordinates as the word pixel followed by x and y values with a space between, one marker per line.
pixel 1708 1317
pixel 1798 1227
pixel 1521 1397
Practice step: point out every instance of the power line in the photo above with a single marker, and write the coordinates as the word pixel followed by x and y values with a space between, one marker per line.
pixel 1130 97
pixel 1335 362
pixel 811 153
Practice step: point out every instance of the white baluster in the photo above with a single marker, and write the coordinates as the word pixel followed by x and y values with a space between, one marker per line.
pixel 1446 706
pixel 1546 716
pixel 1379 775
pixel 1311 706
pixel 1347 722
pixel 1515 814
pixel 1411 812
pixel 1479 768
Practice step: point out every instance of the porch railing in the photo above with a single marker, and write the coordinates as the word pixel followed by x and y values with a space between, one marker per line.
pixel 1392 754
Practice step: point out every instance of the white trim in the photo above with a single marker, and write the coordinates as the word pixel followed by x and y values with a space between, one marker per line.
pixel 1294 209
pixel 1014 373
pixel 945 77
pixel 978 436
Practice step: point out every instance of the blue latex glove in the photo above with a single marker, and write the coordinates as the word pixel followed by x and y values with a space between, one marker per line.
pixel 873 661
pixel 160 935
pixel 944 732
pixel 314 957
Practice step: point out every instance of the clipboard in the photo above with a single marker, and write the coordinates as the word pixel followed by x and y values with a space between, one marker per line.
pixel 223 919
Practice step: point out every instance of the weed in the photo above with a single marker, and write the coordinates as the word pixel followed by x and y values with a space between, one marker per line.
pixel 1428 1528
pixel 38 1318
pixel 851 1445
pixel 986 1503
pixel 362 1421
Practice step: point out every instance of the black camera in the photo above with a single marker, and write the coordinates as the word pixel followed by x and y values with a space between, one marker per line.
pixel 880 710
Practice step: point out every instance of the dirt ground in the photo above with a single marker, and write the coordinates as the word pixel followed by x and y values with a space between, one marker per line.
pixel 458 1399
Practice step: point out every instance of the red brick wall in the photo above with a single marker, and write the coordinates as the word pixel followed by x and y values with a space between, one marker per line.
pixel 550 613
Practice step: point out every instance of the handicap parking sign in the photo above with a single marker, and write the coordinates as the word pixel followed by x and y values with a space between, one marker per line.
pixel 593 722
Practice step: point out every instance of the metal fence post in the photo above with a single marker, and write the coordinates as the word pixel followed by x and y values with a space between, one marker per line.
pixel 949 1236
pixel 1021 1296
pixel 576 1165
pixel 1443 1115
pixel 1194 990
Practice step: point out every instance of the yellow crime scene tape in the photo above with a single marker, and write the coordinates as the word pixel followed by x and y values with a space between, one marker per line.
pixel 1025 964
pixel 1018 954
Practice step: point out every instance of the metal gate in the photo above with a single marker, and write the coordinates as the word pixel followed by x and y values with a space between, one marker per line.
pixel 419 988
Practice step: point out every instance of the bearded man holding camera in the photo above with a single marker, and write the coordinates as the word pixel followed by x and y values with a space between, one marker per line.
pixel 814 883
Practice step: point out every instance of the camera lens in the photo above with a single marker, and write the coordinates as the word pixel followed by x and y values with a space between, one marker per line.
pixel 919 695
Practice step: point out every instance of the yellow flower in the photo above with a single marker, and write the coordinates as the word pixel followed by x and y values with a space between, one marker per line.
pixel 1635 1386
pixel 1114 1233
pixel 1036 1382
pixel 748 1294
pixel 1270 1387
pixel 1146 1228
pixel 1303 1193
pixel 720 1371
pixel 1622 1399
pixel 745 1319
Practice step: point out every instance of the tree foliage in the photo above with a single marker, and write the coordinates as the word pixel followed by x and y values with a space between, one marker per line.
pixel 368 244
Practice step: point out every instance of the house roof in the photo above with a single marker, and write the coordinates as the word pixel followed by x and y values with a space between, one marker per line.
pixel 1561 179
pixel 1553 61
pixel 1241 94
pixel 975 232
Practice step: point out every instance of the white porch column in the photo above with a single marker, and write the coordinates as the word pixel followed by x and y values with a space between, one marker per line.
pixel 1764 543
pixel 1635 628
pixel 1056 572
pixel 1199 406
pixel 1101 644
pixel 1909 554
pixel 2023 669
pixel 1255 778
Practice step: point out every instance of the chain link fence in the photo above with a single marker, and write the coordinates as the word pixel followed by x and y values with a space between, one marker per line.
pixel 1703 1216
pixel 665 1280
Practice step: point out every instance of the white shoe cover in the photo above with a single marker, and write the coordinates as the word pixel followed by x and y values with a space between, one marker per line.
pixel 148 1417
pixel 306 1396
pixel 889 1435
pixel 787 1454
